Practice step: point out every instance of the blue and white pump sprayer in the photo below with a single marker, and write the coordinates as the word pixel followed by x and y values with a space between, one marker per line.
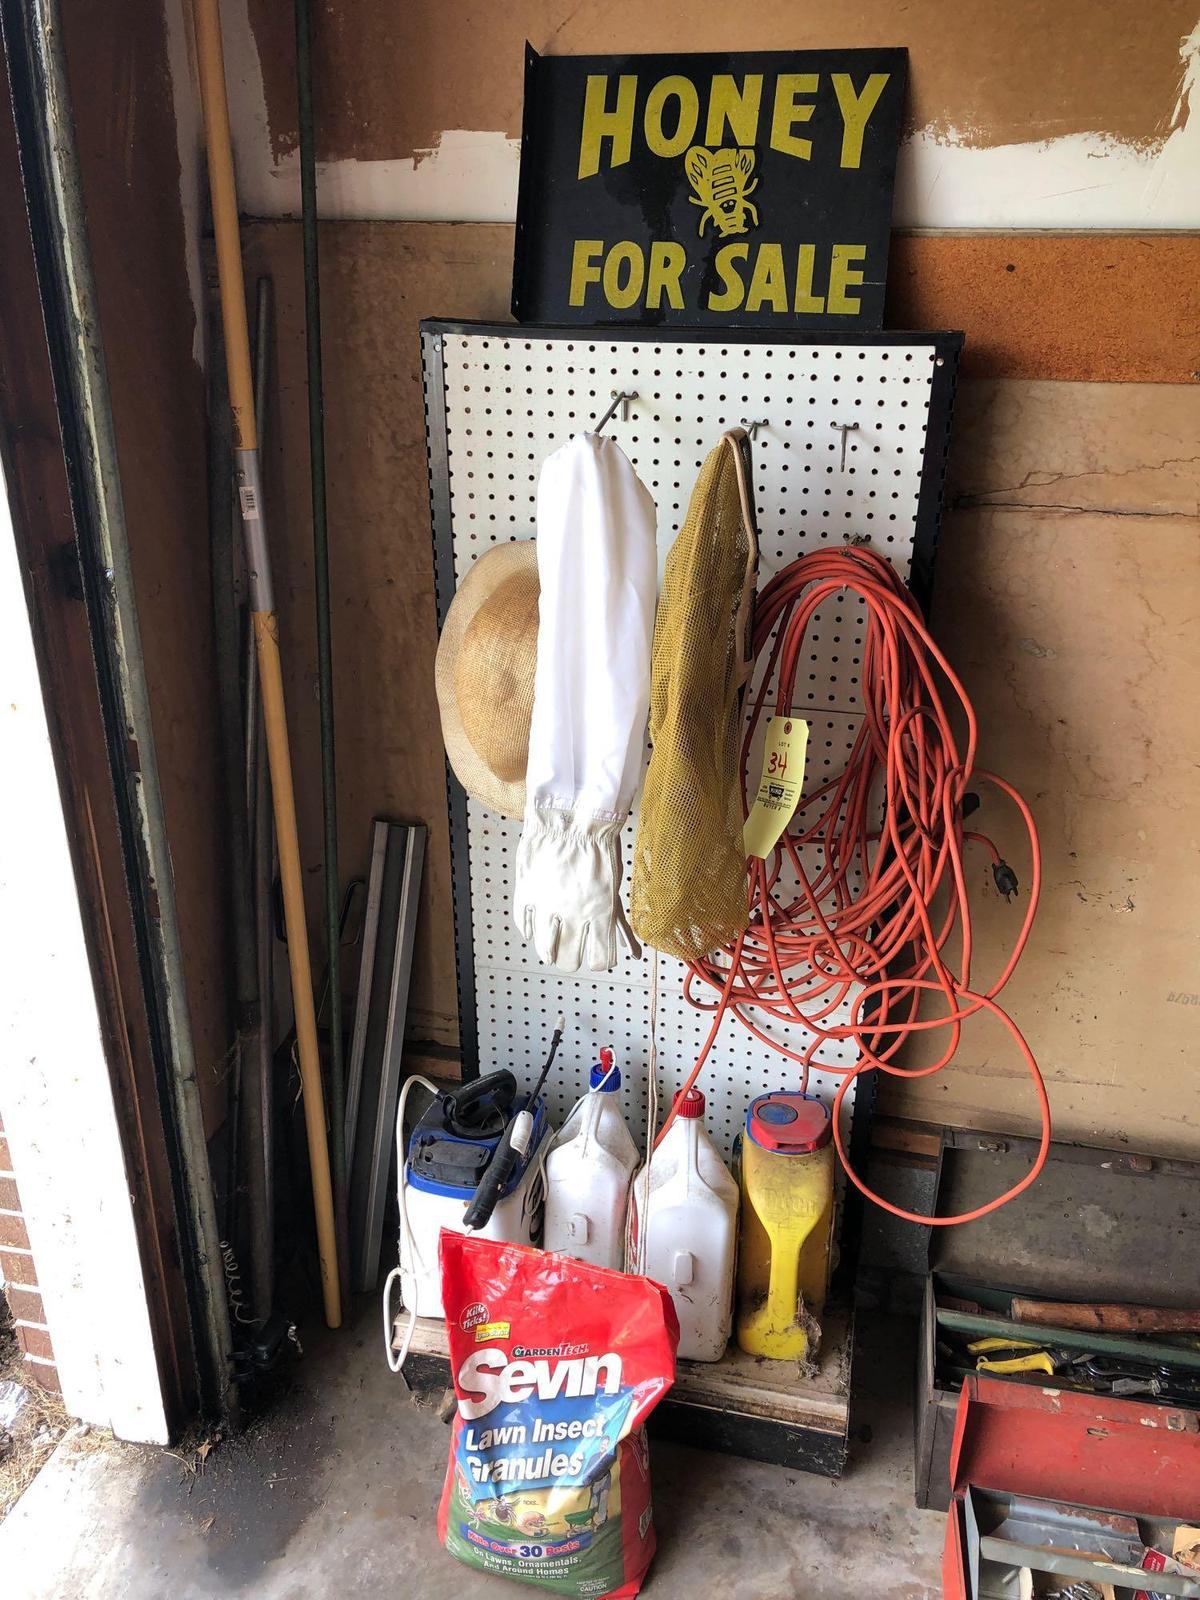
pixel 472 1164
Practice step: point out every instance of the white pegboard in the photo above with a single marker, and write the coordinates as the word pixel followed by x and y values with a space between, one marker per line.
pixel 499 401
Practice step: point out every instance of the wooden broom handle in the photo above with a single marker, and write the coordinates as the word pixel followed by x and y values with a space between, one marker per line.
pixel 211 64
pixel 1105 1318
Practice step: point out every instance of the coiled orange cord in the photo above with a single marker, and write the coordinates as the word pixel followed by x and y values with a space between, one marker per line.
pixel 864 930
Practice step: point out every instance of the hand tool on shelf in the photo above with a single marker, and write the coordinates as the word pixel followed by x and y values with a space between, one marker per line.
pixel 1048 1360
pixel 1124 1377
pixel 952 1323
pixel 994 1343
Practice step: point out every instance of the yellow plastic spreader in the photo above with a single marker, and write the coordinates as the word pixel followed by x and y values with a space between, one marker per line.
pixel 786 1225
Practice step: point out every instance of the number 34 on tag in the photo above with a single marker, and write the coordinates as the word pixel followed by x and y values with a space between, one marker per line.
pixel 779 788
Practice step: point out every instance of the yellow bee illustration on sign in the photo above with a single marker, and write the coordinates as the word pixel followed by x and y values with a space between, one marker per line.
pixel 723 182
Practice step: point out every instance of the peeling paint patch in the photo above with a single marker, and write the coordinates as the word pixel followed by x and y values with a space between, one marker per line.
pixel 952 173
pixel 464 177
pixel 1079 182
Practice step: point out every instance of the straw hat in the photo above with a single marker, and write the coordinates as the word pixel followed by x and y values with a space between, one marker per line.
pixel 484 674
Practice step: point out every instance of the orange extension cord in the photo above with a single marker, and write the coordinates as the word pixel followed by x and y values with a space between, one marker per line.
pixel 882 948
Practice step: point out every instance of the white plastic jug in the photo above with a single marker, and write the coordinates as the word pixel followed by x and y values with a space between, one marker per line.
pixel 690 1224
pixel 587 1175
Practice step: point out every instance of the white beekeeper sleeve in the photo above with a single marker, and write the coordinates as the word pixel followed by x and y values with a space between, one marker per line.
pixel 598 571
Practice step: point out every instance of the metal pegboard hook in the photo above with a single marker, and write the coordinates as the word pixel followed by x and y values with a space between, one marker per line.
pixel 845 429
pixel 622 398
pixel 753 427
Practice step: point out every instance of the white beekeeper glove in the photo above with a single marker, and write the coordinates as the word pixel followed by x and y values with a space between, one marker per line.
pixel 598 571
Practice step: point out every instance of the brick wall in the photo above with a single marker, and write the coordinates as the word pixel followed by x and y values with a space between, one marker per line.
pixel 19 1280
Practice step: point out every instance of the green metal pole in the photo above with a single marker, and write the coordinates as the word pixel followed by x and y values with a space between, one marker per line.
pixel 316 447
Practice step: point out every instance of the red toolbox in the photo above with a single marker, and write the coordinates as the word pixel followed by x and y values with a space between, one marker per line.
pixel 1098 1225
pixel 1051 1487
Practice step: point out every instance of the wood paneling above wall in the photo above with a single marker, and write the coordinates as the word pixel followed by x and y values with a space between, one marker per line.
pixel 1066 591
pixel 1090 307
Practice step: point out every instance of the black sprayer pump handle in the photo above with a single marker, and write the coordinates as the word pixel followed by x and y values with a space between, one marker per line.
pixel 482 1106
pixel 503 1163
pixel 491 1186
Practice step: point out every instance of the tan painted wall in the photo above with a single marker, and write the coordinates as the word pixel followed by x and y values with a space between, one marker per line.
pixel 1066 595
pixel 392 78
pixel 1060 487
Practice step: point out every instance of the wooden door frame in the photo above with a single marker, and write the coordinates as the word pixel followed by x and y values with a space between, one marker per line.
pixel 99 763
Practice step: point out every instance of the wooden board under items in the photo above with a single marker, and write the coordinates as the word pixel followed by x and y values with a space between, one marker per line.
pixel 377 281
pixel 1085 307
pixel 743 1405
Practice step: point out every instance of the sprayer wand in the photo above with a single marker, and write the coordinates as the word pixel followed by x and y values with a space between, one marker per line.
pixel 513 1147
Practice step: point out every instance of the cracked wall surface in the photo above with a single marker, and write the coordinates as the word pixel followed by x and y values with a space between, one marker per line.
pixel 1067 595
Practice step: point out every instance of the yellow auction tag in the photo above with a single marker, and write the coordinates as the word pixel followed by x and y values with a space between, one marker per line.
pixel 779 788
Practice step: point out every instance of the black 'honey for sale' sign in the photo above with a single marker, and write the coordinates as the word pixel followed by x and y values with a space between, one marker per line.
pixel 735 190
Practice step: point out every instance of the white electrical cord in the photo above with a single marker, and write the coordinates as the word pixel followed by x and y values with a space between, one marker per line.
pixel 395 1362
pixel 551 1140
pixel 396 1359
pixel 635 1254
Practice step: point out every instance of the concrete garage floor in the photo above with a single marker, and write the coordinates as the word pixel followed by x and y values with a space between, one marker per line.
pixel 332 1497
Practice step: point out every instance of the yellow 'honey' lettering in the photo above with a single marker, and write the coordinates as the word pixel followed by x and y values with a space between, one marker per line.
pixel 737 107
pixel 734 105
pixel 856 112
pixel 599 123
pixel 730 297
pixel 583 268
pixel 841 275
pixel 806 302
pixel 684 91
pixel 629 256
pixel 768 284
pixel 667 261
pixel 788 111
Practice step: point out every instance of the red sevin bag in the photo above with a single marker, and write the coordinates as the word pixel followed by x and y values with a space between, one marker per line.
pixel 556 1367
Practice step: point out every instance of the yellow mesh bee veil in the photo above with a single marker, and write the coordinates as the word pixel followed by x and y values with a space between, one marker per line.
pixel 688 890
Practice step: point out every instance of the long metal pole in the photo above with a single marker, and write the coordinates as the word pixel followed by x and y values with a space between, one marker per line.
pixel 226 634
pixel 257 1089
pixel 316 456
pixel 210 59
